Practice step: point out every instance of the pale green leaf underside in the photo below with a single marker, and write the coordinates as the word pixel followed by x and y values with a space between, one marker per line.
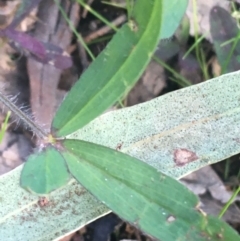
pixel 224 90
pixel 31 222
pixel 203 119
pixel 22 219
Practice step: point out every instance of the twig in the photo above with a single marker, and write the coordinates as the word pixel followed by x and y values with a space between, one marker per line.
pixel 106 29
pixel 85 11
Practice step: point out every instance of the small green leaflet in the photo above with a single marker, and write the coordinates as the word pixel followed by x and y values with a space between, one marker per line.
pixel 44 171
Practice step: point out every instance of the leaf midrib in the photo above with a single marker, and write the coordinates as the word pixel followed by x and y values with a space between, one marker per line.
pixel 105 173
pixel 181 127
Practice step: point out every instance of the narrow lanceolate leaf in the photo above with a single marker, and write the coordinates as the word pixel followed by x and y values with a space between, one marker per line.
pixel 44 171
pixel 179 132
pixel 114 71
pixel 153 202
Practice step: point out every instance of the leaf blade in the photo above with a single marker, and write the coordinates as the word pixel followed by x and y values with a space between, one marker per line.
pixel 171 17
pixel 141 195
pixel 86 101
pixel 201 118
pixel 22 218
pixel 44 172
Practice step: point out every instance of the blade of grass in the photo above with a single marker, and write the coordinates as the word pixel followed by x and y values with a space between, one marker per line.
pixel 227 205
pixel 227 42
pixel 72 27
pixel 204 64
pixel 226 63
pixel 117 5
pixel 96 14
pixel 199 55
pixel 178 81
pixel 4 126
pixel 195 25
pixel 184 82
pixel 199 40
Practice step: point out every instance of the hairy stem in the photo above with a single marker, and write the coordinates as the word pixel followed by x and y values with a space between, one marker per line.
pixel 23 117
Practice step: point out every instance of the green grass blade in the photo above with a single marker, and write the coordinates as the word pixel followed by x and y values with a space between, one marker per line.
pixel 194 46
pixel 117 5
pixel 230 201
pixel 44 171
pixel 72 27
pixel 4 126
pixel 182 80
pixel 153 202
pixel 113 72
pixel 97 15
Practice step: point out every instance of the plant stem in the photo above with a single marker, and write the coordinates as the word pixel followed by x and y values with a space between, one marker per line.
pixel 227 61
pixel 224 209
pixel 22 116
pixel 184 81
pixel 4 126
pixel 96 14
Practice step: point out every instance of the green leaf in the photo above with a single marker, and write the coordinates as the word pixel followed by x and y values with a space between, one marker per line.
pixel 44 171
pixel 173 12
pixel 114 71
pixel 153 202
pixel 204 116
pixel 23 218
pixel 200 121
